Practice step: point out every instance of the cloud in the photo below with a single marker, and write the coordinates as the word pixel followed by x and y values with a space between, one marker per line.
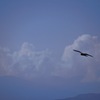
pixel 27 62
pixel 85 67
pixel 30 63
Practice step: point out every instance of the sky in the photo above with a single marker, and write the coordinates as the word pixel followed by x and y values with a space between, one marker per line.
pixel 37 38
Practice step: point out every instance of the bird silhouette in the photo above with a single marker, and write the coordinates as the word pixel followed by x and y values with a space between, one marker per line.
pixel 83 54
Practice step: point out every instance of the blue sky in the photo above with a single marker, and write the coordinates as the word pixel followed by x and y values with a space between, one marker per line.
pixel 37 38
pixel 47 24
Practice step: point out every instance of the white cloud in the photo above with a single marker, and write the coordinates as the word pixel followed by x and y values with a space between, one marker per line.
pixel 82 66
pixel 27 62
pixel 30 63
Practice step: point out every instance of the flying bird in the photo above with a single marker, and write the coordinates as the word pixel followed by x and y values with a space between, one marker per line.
pixel 83 54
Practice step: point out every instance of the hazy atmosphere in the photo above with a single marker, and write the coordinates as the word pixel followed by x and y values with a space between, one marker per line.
pixel 37 38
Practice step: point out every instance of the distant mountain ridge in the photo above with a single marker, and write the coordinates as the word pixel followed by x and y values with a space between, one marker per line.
pixel 89 96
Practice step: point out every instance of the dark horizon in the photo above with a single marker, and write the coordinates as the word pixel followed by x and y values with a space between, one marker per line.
pixel 18 89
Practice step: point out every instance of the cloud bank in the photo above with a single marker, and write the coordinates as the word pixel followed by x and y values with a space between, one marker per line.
pixel 30 63
pixel 87 68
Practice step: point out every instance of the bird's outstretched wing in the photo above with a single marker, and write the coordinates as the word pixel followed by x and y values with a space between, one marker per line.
pixel 77 51
pixel 89 55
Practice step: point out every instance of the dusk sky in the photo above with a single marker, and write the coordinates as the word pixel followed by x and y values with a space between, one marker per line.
pixel 37 38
